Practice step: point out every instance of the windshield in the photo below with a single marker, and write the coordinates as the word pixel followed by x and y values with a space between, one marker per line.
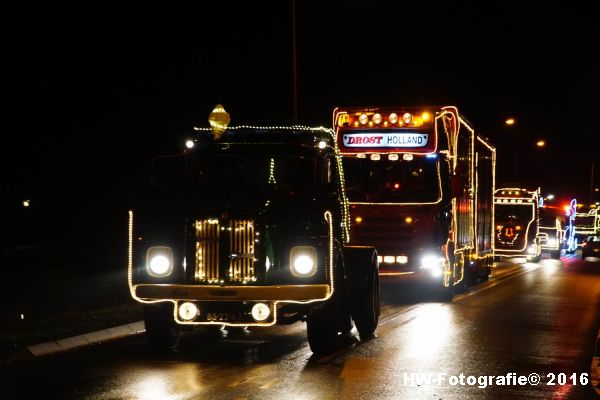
pixel 511 212
pixel 239 175
pixel 585 221
pixel 386 181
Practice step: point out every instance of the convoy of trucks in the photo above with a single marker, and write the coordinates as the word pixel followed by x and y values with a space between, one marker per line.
pixel 255 226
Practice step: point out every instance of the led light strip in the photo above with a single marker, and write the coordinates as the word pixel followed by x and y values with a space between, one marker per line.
pixel 130 265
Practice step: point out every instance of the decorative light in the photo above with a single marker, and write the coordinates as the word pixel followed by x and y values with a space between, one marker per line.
pixel 393 118
pixel 363 119
pixel 510 121
pixel 260 312
pixel 26 203
pixel 189 143
pixel 218 120
pixel 377 118
pixel 393 157
pixel 188 311
pixel 322 144
pixel 407 118
pixel 408 220
pixel 358 220
pixel 540 143
pixel 425 116
pixel 375 157
pixel 407 156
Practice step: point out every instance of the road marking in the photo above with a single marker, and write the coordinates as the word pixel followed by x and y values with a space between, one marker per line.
pixel 500 279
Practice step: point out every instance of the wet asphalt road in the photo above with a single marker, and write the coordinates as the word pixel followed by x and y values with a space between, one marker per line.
pixel 528 319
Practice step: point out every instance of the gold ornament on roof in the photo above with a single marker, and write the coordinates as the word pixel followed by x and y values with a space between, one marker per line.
pixel 218 120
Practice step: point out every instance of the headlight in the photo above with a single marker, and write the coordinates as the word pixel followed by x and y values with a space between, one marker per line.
pixel 188 311
pixel 303 261
pixel 551 242
pixel 531 249
pixel 159 261
pixel 431 261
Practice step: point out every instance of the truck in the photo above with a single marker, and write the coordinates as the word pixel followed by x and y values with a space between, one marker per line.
pixel 252 231
pixel 586 223
pixel 551 233
pixel 420 183
pixel 516 214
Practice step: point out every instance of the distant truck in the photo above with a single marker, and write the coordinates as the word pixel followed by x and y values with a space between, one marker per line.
pixel 420 182
pixel 586 224
pixel 256 235
pixel 551 233
pixel 516 215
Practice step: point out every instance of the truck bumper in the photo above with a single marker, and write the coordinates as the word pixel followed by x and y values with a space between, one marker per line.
pixel 300 293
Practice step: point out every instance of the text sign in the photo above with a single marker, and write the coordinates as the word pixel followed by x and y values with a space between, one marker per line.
pixel 373 139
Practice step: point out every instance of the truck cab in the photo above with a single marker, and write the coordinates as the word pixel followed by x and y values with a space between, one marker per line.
pixel 253 234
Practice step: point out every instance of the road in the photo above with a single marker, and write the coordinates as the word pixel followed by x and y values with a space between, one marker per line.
pixel 528 319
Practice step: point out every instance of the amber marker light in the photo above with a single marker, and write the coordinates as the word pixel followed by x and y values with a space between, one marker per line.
pixel 358 220
pixel 510 121
pixel 540 143
pixel 408 220
pixel 425 116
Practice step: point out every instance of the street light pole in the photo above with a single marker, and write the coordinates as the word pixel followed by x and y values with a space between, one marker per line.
pixel 294 72
pixel 511 122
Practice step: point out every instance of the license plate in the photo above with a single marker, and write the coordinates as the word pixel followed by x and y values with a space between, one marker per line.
pixel 223 317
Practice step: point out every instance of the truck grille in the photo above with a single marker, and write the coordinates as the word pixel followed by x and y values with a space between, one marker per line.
pixel 225 251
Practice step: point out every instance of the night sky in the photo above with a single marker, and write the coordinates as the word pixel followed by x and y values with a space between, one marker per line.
pixel 94 92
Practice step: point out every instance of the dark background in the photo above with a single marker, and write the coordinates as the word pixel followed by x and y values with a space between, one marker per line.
pixel 92 93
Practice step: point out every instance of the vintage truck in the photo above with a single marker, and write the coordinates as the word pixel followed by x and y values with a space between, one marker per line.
pixel 251 231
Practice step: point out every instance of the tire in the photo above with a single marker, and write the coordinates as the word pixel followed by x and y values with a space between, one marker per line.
pixel 161 329
pixel 321 329
pixel 327 322
pixel 364 293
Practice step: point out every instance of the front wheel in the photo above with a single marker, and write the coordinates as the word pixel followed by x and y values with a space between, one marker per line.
pixel 161 329
pixel 364 291
pixel 322 329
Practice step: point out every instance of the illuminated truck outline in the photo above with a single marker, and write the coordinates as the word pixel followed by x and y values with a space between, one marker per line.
pixel 454 226
pixel 276 252
pixel 516 215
